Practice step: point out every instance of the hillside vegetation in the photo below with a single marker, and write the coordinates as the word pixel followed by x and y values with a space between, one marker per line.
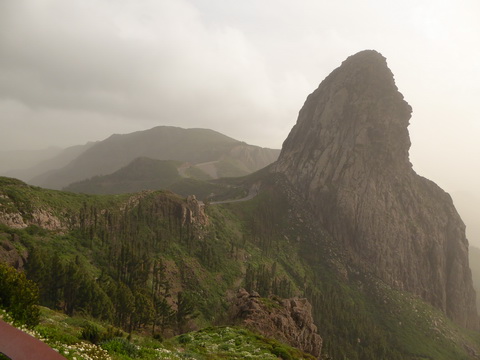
pixel 157 264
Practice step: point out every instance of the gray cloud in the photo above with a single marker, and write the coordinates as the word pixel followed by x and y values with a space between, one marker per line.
pixel 155 64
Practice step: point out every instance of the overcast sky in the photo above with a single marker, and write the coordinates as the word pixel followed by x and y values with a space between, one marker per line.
pixel 79 70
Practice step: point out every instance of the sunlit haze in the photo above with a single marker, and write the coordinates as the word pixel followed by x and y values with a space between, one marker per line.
pixel 80 70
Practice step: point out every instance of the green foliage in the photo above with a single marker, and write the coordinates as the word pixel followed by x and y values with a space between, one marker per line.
pixel 56 332
pixel 18 296
pixel 92 333
pixel 120 346
pixel 125 245
pixel 282 352
pixel 59 327
pixel 209 343
pixel 234 343
pixel 185 310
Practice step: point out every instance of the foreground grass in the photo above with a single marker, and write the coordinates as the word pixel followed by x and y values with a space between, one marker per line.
pixel 69 336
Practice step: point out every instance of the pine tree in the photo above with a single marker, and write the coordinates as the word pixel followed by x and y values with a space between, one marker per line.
pixel 185 311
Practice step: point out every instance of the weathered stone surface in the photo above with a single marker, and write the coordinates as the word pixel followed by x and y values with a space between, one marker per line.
pixel 348 157
pixel 40 217
pixel 46 220
pixel 287 320
pixel 13 220
pixel 194 212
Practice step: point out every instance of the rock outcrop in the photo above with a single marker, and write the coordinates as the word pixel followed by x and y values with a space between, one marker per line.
pixel 39 217
pixel 287 320
pixel 348 157
pixel 194 212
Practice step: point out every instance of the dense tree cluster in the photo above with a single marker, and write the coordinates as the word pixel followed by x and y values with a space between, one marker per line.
pixel 132 290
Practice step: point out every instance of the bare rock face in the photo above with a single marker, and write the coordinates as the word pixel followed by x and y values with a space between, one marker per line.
pixel 194 212
pixel 40 217
pixel 288 320
pixel 348 157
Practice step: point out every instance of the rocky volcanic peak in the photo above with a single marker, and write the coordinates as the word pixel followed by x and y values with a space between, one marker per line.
pixel 348 157
pixel 287 320
pixel 355 116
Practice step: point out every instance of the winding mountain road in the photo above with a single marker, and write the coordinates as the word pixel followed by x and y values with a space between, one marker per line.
pixel 251 194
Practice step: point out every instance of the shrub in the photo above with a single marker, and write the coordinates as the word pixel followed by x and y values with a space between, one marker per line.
pixel 92 333
pixel 19 296
pixel 120 346
pixel 184 339
pixel 282 353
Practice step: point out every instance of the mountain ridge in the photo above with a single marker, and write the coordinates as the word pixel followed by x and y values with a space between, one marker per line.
pixel 161 143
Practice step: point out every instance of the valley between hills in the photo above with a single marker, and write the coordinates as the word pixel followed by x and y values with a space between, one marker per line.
pixel 177 243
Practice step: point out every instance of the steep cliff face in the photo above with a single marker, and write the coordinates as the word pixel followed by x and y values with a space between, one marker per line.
pixel 348 157
pixel 288 320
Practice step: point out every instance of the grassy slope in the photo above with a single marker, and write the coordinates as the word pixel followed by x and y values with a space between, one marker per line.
pixel 275 239
pixel 20 197
pixel 70 337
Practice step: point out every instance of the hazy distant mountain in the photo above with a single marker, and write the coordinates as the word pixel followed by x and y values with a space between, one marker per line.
pixel 215 154
pixel 58 160
pixel 10 161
